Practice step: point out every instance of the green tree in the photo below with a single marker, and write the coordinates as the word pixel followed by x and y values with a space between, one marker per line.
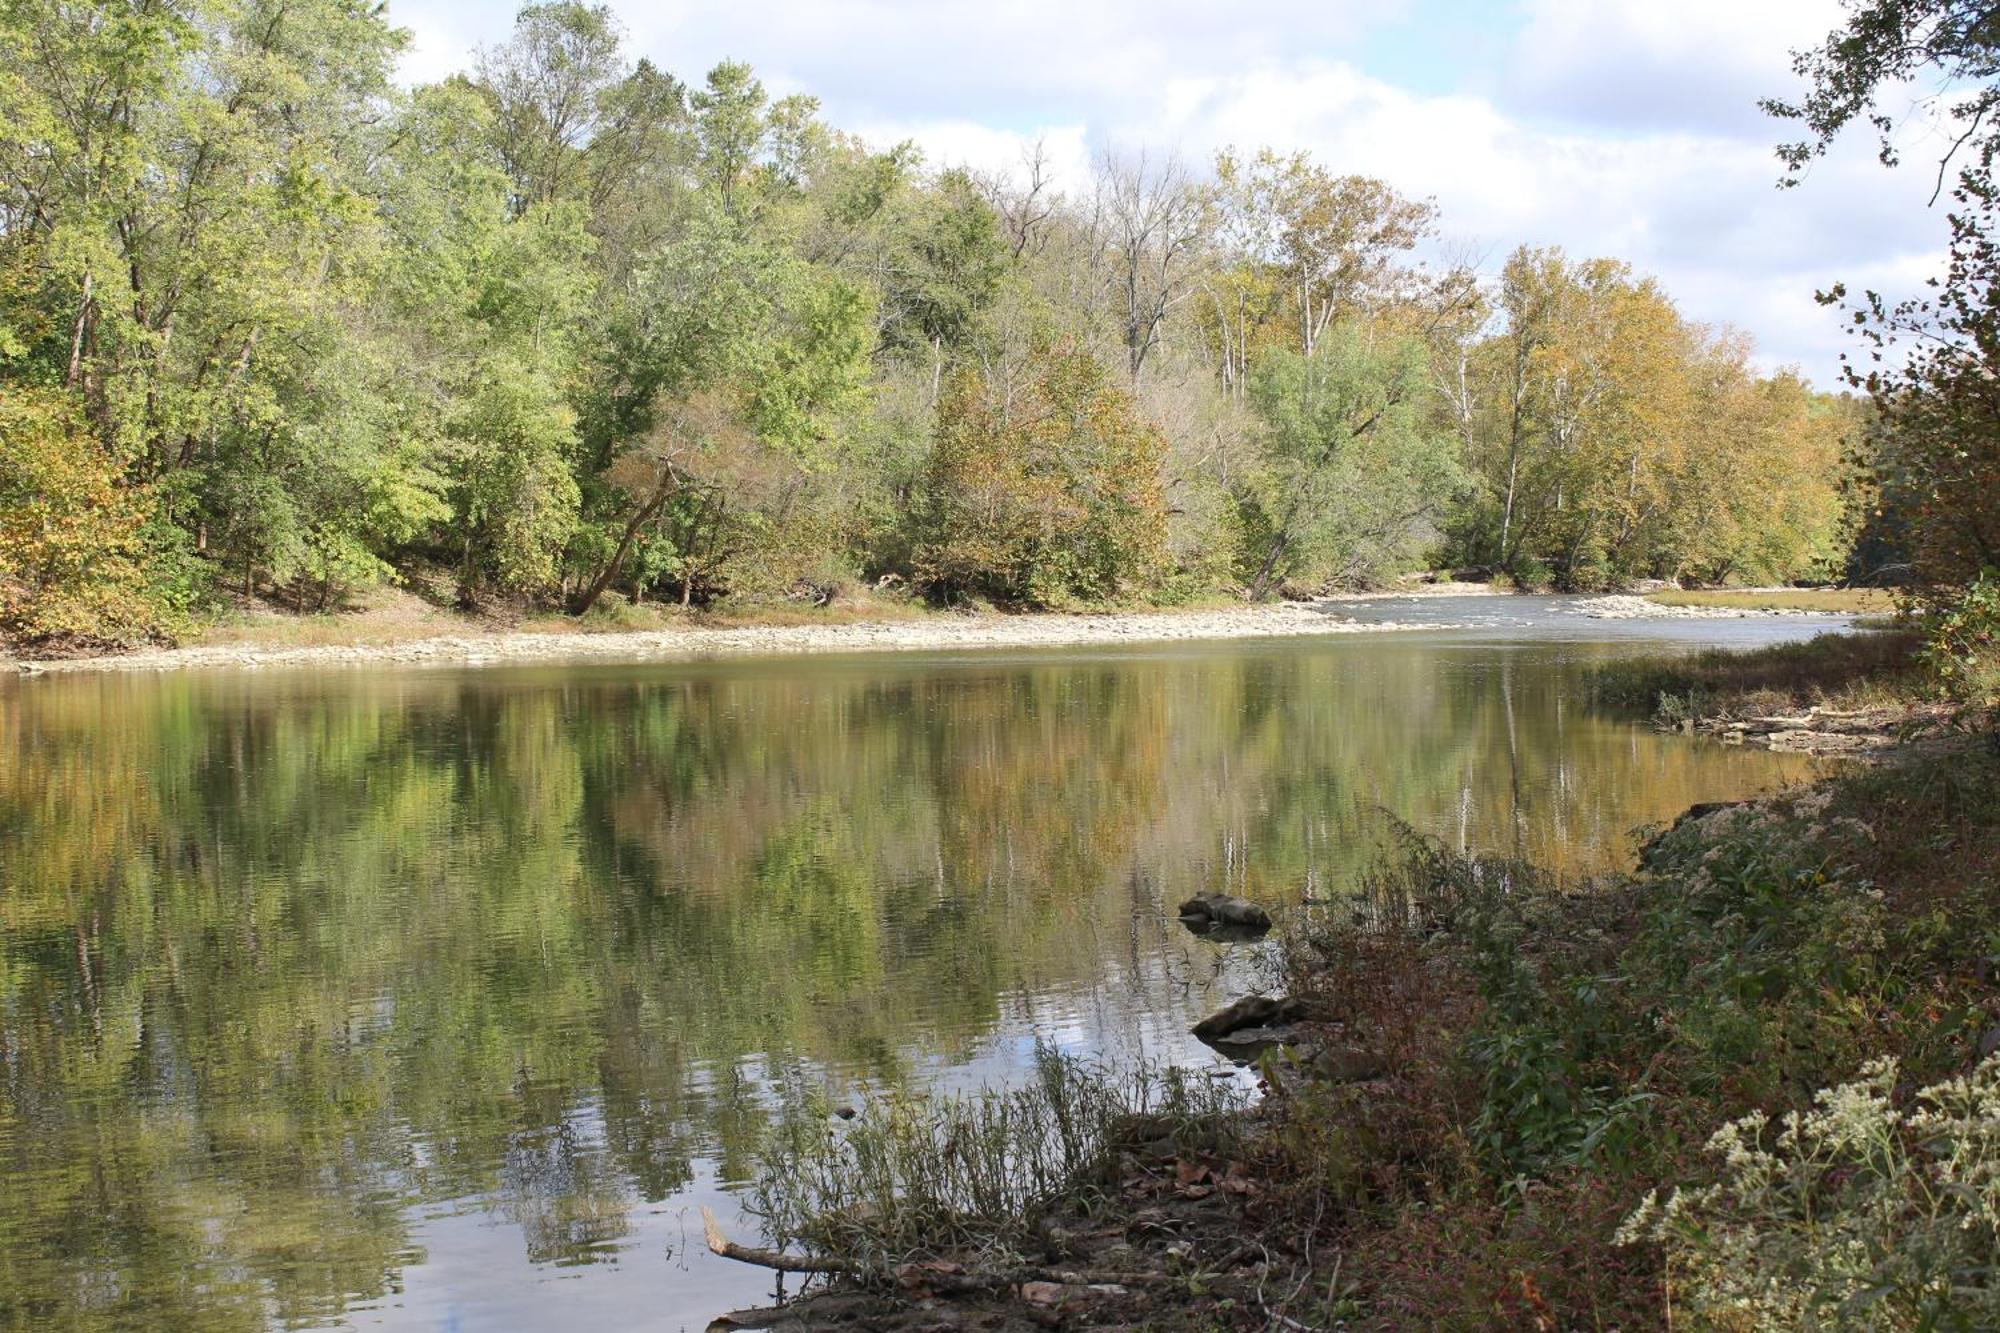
pixel 943 273
pixel 1354 474
pixel 1941 423
pixel 190 186
pixel 733 333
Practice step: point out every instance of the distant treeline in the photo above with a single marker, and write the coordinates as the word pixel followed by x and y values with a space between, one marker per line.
pixel 567 328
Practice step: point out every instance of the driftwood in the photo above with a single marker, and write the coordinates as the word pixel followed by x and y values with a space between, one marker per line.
pixel 938 1275
pixel 776 1259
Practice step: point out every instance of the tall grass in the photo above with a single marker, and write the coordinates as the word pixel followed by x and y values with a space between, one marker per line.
pixel 1832 670
pixel 912 1174
pixel 1859 601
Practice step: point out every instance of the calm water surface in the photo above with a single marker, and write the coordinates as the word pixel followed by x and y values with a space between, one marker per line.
pixel 438 999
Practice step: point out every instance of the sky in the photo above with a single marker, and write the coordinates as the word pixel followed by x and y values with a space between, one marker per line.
pixel 1627 128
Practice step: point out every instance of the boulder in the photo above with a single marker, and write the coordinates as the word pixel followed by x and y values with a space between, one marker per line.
pixel 1210 912
pixel 1246 1044
pixel 1252 1011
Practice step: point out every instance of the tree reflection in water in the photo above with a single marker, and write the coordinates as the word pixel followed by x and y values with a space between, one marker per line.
pixel 287 960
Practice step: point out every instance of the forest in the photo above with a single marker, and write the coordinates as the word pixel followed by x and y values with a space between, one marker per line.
pixel 567 332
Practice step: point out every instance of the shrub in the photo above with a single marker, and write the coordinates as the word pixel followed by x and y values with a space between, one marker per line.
pixel 1856 1214
pixel 73 537
pixel 1963 647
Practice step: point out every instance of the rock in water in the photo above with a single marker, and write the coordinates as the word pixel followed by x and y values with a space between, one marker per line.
pixel 1252 1011
pixel 1245 1044
pixel 1221 911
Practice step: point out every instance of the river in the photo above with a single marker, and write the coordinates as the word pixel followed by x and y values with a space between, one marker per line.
pixel 443 998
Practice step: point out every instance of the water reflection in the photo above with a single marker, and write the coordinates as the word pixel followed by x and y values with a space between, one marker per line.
pixel 433 999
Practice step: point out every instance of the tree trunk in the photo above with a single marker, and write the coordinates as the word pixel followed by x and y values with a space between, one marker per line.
pixel 76 336
pixel 1261 585
pixel 661 494
pixel 1513 473
pixel 1242 346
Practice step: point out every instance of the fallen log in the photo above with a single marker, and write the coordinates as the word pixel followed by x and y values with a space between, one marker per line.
pixel 763 1258
pixel 936 1277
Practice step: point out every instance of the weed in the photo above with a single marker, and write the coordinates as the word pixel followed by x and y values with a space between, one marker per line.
pixel 1858 1213
pixel 1837 670
pixel 912 1175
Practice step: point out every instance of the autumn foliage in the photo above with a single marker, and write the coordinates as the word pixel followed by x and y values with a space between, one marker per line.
pixel 1043 491
pixel 71 568
pixel 352 332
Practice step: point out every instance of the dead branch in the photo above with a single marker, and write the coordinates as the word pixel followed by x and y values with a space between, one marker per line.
pixel 775 1259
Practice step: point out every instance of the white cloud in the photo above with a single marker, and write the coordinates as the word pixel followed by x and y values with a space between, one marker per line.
pixel 1619 127
pixel 1644 65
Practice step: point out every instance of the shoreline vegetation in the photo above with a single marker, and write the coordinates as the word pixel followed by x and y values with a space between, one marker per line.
pixel 1753 1082
pixel 567 332
pixel 1835 694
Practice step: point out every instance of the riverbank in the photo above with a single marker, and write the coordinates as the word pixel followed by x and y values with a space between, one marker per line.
pixel 1491 1099
pixel 1844 694
pixel 1507 1103
pixel 1681 606
pixel 1836 601
pixel 397 628
pixel 938 631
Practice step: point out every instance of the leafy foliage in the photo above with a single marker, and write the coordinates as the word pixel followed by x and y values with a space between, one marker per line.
pixel 1860 1213
pixel 342 333
pixel 1046 495
pixel 1613 440
pixel 73 539
pixel 1356 477
pixel 1931 360
pixel 1963 647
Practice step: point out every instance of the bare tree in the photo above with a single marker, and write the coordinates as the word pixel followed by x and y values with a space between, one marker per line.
pixel 1156 220
pixel 1025 206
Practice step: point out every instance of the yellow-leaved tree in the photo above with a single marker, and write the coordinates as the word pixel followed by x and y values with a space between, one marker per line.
pixel 1044 490
pixel 72 567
